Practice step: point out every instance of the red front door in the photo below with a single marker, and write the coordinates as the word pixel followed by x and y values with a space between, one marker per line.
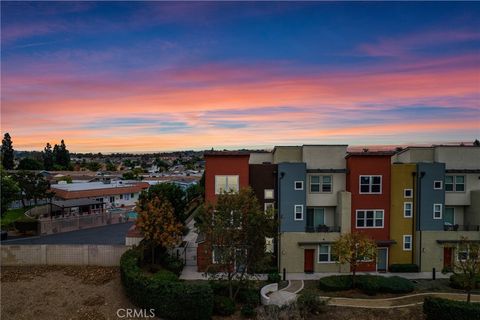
pixel 447 257
pixel 308 266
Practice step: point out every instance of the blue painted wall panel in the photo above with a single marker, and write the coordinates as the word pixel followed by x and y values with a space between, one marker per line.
pixel 288 173
pixel 427 196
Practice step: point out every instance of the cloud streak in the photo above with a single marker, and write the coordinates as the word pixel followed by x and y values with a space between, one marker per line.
pixel 158 88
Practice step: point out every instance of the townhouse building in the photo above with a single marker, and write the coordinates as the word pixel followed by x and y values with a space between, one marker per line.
pixel 403 212
pixel 416 203
pixel 447 202
pixel 263 181
pixel 224 172
pixel 314 208
pixel 368 180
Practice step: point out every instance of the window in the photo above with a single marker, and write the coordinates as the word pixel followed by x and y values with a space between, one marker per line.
pixel 132 195
pixel 449 218
pixel 370 184
pixel 325 254
pixel 369 219
pixel 320 184
pixel 112 199
pixel 437 185
pixel 298 212
pixel 315 218
pixel 462 255
pixel 216 254
pixel 437 211
pixel 268 193
pixel 226 184
pixel 298 185
pixel 126 196
pixel 121 196
pixel 455 183
pixel 407 209
pixel 269 245
pixel 407 242
pixel 269 206
pixel 407 193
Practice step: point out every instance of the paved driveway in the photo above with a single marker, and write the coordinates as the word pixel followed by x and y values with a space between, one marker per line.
pixel 109 234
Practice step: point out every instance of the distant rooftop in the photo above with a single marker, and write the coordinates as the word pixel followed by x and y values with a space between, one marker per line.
pixel 226 153
pixel 82 186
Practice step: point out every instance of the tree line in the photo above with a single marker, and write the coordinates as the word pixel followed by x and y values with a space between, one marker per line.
pixel 52 158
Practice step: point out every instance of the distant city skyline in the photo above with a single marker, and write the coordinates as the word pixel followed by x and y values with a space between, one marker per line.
pixel 162 76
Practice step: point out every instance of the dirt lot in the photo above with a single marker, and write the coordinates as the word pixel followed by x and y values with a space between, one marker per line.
pixel 94 293
pixel 44 293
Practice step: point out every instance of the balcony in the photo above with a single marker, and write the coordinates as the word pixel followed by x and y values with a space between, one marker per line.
pixel 322 228
pixel 456 227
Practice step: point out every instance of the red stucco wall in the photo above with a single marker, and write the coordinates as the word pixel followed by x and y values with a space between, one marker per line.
pixel 370 165
pixel 224 165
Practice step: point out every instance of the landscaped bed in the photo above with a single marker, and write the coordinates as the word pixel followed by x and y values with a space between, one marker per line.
pixel 92 293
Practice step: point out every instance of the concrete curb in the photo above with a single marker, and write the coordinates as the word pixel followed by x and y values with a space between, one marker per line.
pixel 462 295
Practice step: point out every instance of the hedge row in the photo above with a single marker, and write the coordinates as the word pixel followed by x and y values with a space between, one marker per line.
pixel 404 267
pixel 457 281
pixel 367 283
pixel 171 298
pixel 444 309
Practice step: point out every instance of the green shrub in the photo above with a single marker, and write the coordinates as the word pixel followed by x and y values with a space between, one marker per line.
pixel 223 306
pixel 248 311
pixel 308 302
pixel 25 224
pixel 336 283
pixel 396 285
pixel 370 285
pixel 444 309
pixel 168 296
pixel 457 281
pixel 274 277
pixel 220 287
pixel 164 275
pixel 249 296
pixel 367 283
pixel 404 267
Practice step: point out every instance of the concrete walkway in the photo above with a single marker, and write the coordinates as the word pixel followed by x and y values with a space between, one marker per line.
pixel 288 294
pixel 409 275
pixel 190 272
pixel 397 302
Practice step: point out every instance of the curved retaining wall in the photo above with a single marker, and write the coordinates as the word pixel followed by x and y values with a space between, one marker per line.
pixel 272 287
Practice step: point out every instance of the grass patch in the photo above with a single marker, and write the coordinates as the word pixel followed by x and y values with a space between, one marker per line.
pixel 11 216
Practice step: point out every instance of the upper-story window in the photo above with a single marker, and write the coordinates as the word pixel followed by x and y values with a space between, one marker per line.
pixel 455 183
pixel 269 207
pixel 298 212
pixel 370 184
pixel 407 193
pixel 320 184
pixel 370 218
pixel 407 209
pixel 226 184
pixel 437 185
pixel 298 185
pixel 437 211
pixel 126 196
pixel 268 194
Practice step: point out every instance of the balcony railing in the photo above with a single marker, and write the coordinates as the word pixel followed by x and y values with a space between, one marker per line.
pixel 322 228
pixel 456 227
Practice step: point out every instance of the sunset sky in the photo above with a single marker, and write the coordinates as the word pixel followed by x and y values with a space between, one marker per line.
pixel 155 76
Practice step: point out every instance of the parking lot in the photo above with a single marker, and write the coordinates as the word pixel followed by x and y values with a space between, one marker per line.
pixel 109 234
